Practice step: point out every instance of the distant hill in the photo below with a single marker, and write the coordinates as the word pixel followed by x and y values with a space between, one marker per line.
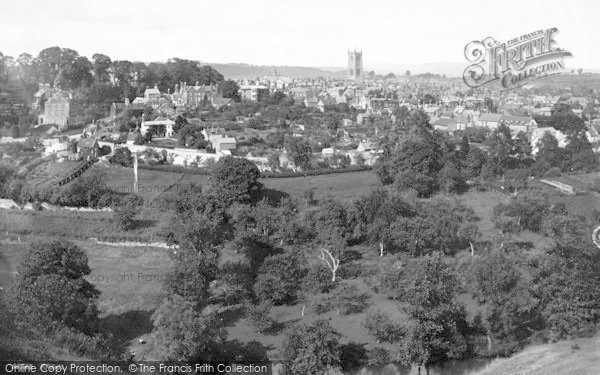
pixel 238 71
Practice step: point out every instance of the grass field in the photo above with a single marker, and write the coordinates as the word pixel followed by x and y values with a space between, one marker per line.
pixel 129 279
pixel 570 357
pixel 344 186
pixel 151 183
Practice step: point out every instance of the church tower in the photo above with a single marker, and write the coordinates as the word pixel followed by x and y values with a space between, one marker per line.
pixel 355 65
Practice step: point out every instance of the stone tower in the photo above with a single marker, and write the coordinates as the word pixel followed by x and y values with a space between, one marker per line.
pixel 355 64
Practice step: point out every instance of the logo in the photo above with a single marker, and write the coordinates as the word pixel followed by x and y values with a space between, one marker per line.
pixel 514 63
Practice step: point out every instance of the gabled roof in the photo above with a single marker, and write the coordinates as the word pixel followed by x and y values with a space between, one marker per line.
pixel 516 119
pixel 87 143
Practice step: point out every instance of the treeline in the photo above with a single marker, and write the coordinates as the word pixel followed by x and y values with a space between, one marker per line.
pixel 428 161
pixel 100 81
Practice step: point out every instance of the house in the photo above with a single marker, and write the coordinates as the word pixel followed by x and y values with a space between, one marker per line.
pixel 311 102
pixel 366 146
pixel 56 112
pixel 221 144
pixel 217 101
pixel 519 123
pixel 300 93
pixel 161 126
pixel 490 120
pixel 253 93
pixel 152 95
pixel 88 148
pixel 445 125
pixel 55 145
pixel 193 96
pixel 326 103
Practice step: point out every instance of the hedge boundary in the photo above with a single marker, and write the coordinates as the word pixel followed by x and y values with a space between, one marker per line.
pixel 290 174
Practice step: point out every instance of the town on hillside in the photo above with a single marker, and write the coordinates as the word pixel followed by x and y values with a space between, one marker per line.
pixel 175 216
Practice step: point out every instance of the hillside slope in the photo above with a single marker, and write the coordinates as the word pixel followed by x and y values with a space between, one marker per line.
pixel 571 357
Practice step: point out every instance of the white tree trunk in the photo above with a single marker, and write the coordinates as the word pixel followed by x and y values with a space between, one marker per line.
pixel 472 249
pixel 332 262
pixel 380 249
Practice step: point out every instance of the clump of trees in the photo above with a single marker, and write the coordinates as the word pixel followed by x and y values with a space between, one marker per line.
pixel 50 291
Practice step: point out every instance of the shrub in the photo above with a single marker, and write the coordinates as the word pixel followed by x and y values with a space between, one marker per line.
pixel 378 357
pixel 553 172
pixel 259 316
pixel 318 279
pixel 382 327
pixel 279 277
pixel 125 212
pixel 348 299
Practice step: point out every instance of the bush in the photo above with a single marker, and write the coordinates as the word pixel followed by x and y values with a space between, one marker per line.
pixel 348 299
pixel 318 279
pixel 552 172
pixel 378 357
pixel 279 277
pixel 259 317
pixel 105 150
pixel 79 343
pixel 382 327
pixel 125 212
pixel 122 156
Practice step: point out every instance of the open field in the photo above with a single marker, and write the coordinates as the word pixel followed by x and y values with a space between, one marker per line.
pixel 344 186
pixel 129 279
pixel 151 183
pixel 77 225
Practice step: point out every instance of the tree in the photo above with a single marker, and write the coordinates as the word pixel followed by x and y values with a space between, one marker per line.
pixel 191 275
pixel 191 136
pixel 549 153
pixel 568 285
pixel 50 291
pixel 311 349
pixel 348 299
pixel 139 139
pixel 182 333
pixel 474 162
pixel 525 211
pixel 331 223
pixel 510 310
pixel 122 156
pixel 437 328
pixel 450 179
pixel 279 277
pixel 317 279
pixel 235 180
pixel 124 213
pixel 230 89
pixel 299 151
pixel 101 65
pixel 382 327
pixel 500 144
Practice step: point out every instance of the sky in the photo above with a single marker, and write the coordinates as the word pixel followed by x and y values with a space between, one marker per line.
pixel 291 32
